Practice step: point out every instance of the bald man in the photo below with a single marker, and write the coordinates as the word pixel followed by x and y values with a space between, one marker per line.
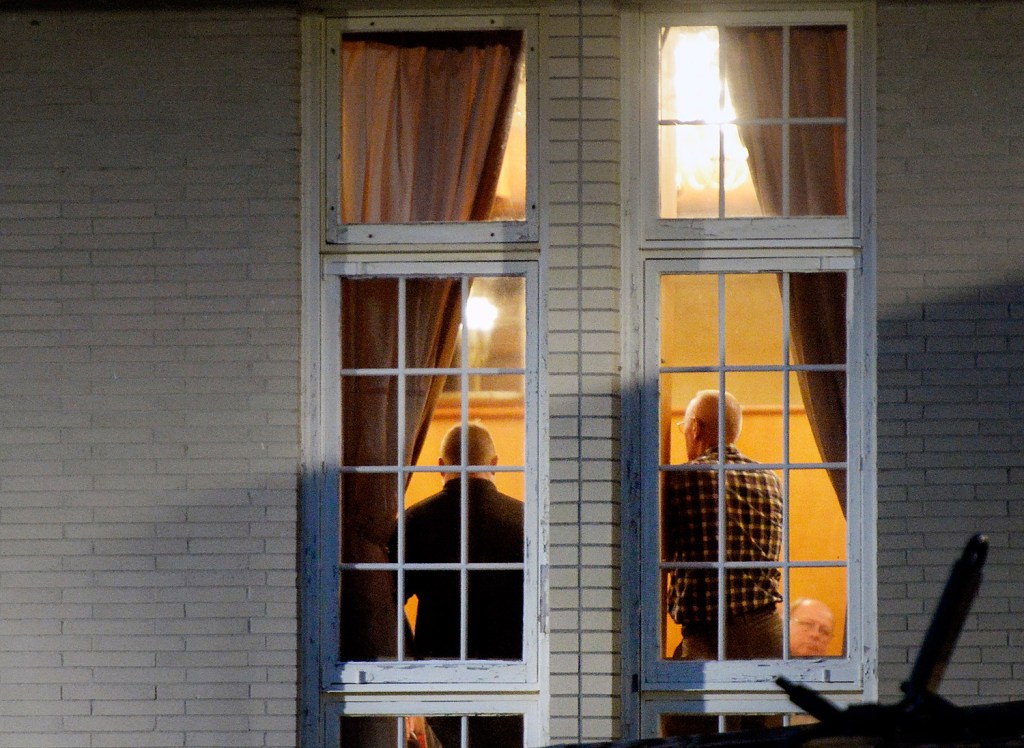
pixel 753 533
pixel 494 625
pixel 811 628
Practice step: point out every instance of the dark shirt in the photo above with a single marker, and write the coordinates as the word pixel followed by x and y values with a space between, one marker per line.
pixel 495 597
pixel 753 509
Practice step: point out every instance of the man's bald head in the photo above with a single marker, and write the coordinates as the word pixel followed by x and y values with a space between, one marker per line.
pixel 700 424
pixel 480 449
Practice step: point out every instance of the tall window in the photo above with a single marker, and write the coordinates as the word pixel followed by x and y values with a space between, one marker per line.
pixel 427 539
pixel 754 462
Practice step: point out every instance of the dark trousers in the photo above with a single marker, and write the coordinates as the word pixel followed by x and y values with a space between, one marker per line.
pixel 750 636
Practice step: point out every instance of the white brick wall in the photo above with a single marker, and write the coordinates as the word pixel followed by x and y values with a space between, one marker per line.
pixel 583 309
pixel 951 331
pixel 149 305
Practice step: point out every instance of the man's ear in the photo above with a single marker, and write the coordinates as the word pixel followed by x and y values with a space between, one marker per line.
pixel 440 461
pixel 494 460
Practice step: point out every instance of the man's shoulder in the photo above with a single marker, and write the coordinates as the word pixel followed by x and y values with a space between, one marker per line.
pixel 435 504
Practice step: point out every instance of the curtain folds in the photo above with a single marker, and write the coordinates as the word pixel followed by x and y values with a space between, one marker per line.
pixel 425 120
pixel 753 63
pixel 753 60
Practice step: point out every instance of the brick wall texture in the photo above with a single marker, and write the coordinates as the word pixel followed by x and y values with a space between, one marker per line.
pixel 149 431
pixel 951 331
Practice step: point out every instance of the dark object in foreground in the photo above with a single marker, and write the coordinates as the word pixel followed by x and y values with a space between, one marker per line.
pixel 921 718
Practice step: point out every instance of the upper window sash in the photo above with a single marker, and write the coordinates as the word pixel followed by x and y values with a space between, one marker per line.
pixel 415 675
pixel 524 121
pixel 655 226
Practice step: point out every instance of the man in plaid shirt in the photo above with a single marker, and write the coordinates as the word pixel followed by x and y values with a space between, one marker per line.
pixel 753 533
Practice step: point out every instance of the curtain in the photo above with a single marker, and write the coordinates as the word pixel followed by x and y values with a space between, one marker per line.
pixel 753 59
pixel 425 119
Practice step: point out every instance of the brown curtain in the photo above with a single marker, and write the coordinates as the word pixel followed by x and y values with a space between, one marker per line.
pixel 752 59
pixel 425 119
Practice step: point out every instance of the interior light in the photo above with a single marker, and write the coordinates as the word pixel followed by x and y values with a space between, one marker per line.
pixel 700 98
pixel 481 314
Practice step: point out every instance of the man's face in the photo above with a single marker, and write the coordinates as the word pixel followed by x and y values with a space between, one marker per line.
pixel 810 630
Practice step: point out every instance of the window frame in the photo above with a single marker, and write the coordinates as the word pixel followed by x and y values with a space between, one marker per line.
pixel 452 705
pixel 741 242
pixel 814 228
pixel 837 673
pixel 340 677
pixel 411 234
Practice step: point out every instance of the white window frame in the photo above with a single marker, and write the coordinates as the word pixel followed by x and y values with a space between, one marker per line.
pixel 385 676
pixel 742 245
pixel 837 673
pixel 453 232
pixel 724 704
pixel 448 706
pixel 656 228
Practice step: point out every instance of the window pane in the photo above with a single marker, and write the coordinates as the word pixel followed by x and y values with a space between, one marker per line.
pixel 433 319
pixel 753 624
pixel 356 732
pixel 454 148
pixel 818 612
pixel 817 162
pixel 817 66
pixel 817 309
pixel 369 628
pixel 692 161
pixel 367 305
pixel 495 332
pixel 499 405
pixel 817 526
pixel 764 423
pixel 689 320
pixel 726 109
pixel 753 322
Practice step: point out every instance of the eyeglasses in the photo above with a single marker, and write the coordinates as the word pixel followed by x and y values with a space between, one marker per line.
pixel 821 628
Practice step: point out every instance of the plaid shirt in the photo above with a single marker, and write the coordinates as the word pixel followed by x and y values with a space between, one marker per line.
pixel 753 511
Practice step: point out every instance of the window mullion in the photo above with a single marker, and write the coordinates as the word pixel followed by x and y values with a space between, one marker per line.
pixel 400 473
pixel 464 477
pixel 720 468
